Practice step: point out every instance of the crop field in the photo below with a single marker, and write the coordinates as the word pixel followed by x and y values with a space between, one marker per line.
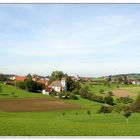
pixel 31 105
pixel 34 114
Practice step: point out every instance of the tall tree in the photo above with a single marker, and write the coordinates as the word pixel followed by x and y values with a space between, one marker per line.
pixel 56 75
pixel 127 114
pixel 2 77
pixel 71 84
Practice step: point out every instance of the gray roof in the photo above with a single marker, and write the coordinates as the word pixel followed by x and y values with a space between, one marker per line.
pixel 56 83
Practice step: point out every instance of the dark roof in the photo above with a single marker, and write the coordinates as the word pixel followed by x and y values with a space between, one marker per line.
pixel 56 83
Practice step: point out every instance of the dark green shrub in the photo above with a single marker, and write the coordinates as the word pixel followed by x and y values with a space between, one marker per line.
pixel 101 91
pixel 63 114
pixel 13 93
pixel 110 93
pixel 121 108
pixel 76 113
pixel 75 91
pixel 109 100
pixel 124 100
pixel 105 109
pixel 96 98
pixel 73 97
pixel 88 112
pixel 135 107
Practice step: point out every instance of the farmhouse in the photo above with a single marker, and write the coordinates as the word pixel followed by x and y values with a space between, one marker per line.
pixel 136 82
pixel 57 86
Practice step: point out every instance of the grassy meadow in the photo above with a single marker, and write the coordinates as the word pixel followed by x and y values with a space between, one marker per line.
pixel 66 122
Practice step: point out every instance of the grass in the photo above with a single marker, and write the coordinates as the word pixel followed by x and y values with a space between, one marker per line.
pixel 7 92
pixel 55 124
pixel 73 123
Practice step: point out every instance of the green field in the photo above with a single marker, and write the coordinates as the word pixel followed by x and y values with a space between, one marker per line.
pixel 53 123
pixel 7 91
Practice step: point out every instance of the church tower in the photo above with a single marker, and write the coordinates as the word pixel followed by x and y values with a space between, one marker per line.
pixel 64 84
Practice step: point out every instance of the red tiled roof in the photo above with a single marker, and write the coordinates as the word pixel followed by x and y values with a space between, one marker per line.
pixel 20 78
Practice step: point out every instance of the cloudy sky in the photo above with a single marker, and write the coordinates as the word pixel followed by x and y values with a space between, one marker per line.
pixel 84 39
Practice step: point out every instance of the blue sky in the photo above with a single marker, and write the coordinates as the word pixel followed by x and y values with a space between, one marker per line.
pixel 84 39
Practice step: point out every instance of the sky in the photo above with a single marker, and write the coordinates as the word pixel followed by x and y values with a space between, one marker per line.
pixel 84 39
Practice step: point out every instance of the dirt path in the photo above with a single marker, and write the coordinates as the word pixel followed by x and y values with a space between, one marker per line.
pixel 34 105
pixel 123 93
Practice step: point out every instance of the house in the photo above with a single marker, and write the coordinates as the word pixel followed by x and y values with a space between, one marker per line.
pixel 20 78
pixel 9 82
pixel 12 78
pixel 136 82
pixel 59 85
pixel 43 81
pixel 47 91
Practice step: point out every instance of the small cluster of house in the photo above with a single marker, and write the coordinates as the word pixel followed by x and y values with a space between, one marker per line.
pixel 55 86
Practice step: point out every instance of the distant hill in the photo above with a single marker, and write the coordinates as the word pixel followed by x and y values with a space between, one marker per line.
pixel 130 75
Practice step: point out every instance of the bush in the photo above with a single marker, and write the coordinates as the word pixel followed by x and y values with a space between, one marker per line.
pixel 75 91
pixel 105 109
pixel 88 112
pixel 73 97
pixel 109 100
pixel 135 107
pixel 64 95
pixel 13 93
pixel 76 113
pixel 121 108
pixel 96 98
pixel 0 88
pixel 63 114
pixel 124 100
pixel 110 93
pixel 85 94
pixel 101 91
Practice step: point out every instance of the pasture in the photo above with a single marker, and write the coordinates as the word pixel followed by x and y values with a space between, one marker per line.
pixel 34 114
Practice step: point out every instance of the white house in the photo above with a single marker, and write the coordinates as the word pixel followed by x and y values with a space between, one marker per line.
pixel 59 85
pixel 47 91
pixel 136 82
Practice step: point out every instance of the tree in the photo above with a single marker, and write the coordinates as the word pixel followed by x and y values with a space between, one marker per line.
pixel 125 79
pixel 105 109
pixel 108 80
pixel 29 76
pixel 56 75
pixel 119 80
pixel 0 88
pixel 108 100
pixel 127 114
pixel 84 93
pixel 20 84
pixel 71 84
pixel 136 105
pixel 2 77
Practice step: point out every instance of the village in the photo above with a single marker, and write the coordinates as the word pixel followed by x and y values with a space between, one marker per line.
pixel 60 84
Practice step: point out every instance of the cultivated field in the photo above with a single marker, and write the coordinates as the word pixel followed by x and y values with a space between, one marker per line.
pixel 33 105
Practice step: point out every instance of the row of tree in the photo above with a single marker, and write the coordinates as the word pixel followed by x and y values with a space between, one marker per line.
pixel 30 85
